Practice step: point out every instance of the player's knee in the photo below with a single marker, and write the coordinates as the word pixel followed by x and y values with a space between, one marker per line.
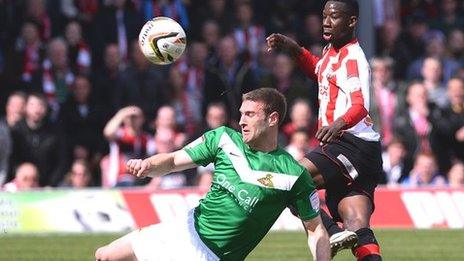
pixel 354 223
pixel 102 254
pixel 367 248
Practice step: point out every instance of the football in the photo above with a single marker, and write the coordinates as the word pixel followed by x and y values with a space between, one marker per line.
pixel 162 40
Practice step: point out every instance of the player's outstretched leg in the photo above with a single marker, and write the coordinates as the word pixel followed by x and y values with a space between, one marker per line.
pixel 120 249
pixel 356 211
pixel 339 239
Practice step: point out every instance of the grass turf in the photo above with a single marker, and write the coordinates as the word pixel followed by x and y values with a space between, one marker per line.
pixel 288 246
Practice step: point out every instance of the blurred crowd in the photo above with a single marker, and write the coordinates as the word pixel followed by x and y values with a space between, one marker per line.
pixel 78 98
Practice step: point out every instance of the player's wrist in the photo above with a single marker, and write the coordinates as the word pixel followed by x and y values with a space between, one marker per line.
pixel 296 50
pixel 342 123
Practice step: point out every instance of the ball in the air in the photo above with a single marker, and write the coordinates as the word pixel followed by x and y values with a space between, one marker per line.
pixel 162 40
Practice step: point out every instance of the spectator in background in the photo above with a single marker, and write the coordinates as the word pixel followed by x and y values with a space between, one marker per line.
pixel 127 140
pixel 403 47
pixel 384 97
pixel 393 163
pixel 431 75
pixel 55 77
pixel 26 178
pixel 216 116
pixel 29 54
pixel 215 10
pixel 79 55
pixel 247 34
pixel 15 109
pixel 412 125
pixel 141 84
pixel 424 173
pixel 450 16
pixel 456 175
pixel 164 144
pixel 118 22
pixel 264 65
pixel 40 142
pixel 37 10
pixel 449 126
pixel 312 30
pixel 231 77
pixel 82 118
pixel 79 176
pixel 174 9
pixel 284 79
pixel 177 97
pixel 456 45
pixel 190 90
pixel 298 146
pixel 435 46
pixel 80 10
pixel 210 35
pixel 106 77
pixel 166 119
pixel 301 118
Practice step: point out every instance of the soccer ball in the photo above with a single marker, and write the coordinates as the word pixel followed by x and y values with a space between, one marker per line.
pixel 162 40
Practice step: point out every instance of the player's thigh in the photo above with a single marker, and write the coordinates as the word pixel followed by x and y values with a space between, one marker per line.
pixel 120 249
pixel 355 211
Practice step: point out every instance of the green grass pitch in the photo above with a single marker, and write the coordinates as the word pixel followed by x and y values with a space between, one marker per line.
pixel 287 246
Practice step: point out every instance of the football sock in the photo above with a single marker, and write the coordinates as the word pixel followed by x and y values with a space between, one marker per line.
pixel 330 225
pixel 367 248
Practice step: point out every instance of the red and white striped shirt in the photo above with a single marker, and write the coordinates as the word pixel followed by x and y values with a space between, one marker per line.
pixel 343 76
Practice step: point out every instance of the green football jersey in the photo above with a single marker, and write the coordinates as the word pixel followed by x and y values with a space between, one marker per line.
pixel 249 191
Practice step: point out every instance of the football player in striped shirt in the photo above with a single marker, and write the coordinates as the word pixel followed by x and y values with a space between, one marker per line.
pixel 348 159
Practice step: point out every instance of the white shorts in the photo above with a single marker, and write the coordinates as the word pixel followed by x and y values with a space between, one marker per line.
pixel 174 241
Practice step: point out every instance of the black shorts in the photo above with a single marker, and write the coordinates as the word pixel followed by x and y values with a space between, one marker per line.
pixel 349 166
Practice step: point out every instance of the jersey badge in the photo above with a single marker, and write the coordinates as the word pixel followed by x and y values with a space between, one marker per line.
pixel 267 181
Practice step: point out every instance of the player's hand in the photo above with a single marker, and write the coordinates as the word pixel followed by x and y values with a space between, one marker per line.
pixel 283 43
pixel 139 168
pixel 329 133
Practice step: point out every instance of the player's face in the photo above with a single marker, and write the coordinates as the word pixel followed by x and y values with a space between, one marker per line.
pixel 253 121
pixel 337 24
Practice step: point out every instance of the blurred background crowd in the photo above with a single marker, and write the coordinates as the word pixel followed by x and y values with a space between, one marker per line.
pixel 78 98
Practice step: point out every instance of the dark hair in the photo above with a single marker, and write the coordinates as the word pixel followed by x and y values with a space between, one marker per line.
pixel 18 93
pixel 220 105
pixel 39 96
pixel 353 6
pixel 273 100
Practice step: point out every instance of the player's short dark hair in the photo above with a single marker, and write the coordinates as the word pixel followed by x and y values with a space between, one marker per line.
pixel 353 6
pixel 274 101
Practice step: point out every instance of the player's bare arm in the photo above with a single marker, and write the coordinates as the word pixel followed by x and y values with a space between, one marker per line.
pixel 160 164
pixel 318 239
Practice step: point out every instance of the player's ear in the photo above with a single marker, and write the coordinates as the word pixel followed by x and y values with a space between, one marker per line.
pixel 353 21
pixel 274 119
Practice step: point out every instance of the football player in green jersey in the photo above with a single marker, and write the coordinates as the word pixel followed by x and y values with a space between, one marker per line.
pixel 253 182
